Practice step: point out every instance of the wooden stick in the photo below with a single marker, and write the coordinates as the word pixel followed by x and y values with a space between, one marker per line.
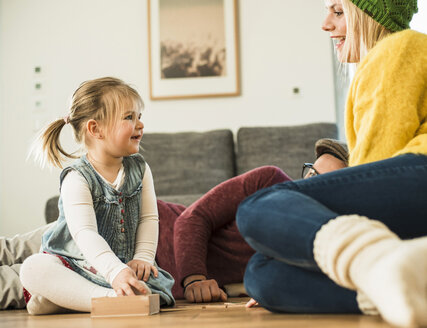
pixel 140 305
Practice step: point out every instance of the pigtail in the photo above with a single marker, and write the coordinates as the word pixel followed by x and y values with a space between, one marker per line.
pixel 47 147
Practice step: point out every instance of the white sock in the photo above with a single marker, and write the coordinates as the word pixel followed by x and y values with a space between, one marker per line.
pixel 365 255
pixel 40 305
pixel 396 281
pixel 45 275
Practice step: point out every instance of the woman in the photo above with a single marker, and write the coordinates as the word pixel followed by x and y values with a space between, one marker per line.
pixel 345 228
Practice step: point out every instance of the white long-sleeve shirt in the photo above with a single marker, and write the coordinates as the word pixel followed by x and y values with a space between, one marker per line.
pixel 81 221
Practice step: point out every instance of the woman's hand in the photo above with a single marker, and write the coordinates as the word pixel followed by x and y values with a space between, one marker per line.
pixel 143 269
pixel 251 303
pixel 126 283
pixel 203 291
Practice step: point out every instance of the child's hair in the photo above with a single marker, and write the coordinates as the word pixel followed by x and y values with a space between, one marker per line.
pixel 102 99
pixel 363 32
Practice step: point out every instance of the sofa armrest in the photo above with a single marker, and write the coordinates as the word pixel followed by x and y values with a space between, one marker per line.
pixel 51 211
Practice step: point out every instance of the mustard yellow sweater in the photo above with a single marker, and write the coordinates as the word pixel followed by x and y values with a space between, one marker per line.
pixel 386 111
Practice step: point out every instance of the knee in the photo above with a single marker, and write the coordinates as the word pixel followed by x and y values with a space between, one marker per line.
pixel 258 286
pixel 252 210
pixel 261 283
pixel 32 267
pixel 244 220
pixel 251 280
pixel 28 267
pixel 249 214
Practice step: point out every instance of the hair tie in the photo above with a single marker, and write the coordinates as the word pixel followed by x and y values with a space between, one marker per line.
pixel 67 119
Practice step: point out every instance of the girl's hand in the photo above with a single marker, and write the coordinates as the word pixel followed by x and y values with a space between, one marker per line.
pixel 143 269
pixel 251 303
pixel 126 284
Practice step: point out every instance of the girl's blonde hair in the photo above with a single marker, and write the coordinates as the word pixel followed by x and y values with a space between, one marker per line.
pixel 363 32
pixel 103 100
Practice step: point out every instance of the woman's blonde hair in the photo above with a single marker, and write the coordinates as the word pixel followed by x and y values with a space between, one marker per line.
pixel 102 99
pixel 363 33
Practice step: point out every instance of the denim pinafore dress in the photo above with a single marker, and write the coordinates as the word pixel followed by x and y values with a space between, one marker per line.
pixel 110 207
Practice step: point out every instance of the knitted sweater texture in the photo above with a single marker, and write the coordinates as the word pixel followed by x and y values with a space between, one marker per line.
pixel 386 111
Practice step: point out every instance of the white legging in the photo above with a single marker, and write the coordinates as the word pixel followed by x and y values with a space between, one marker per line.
pixel 45 275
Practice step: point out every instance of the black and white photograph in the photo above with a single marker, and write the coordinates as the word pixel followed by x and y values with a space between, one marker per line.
pixel 193 48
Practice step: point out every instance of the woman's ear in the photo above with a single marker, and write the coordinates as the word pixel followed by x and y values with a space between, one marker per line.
pixel 94 129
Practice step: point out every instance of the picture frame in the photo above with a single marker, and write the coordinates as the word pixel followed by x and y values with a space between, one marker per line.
pixel 193 49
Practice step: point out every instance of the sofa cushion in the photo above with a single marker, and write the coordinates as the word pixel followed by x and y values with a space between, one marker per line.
pixel 185 200
pixel 287 147
pixel 189 162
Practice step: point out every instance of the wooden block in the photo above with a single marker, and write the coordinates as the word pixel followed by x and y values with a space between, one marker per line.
pixel 121 306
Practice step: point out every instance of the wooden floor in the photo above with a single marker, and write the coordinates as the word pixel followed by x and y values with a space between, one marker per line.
pixel 232 314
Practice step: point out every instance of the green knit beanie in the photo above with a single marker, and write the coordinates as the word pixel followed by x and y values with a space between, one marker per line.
pixel 394 15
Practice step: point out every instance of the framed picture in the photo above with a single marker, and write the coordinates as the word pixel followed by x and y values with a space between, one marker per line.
pixel 193 48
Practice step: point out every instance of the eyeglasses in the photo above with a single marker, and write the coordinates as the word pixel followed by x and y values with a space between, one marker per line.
pixel 308 171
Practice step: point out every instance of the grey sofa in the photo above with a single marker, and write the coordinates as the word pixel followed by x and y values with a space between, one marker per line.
pixel 186 165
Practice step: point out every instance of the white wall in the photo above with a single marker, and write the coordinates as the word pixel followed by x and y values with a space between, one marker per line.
pixel 419 21
pixel 281 46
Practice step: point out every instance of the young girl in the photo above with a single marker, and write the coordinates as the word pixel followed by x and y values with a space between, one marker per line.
pixel 345 228
pixel 107 229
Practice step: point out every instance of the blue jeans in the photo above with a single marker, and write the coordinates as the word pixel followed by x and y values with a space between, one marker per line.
pixel 281 222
